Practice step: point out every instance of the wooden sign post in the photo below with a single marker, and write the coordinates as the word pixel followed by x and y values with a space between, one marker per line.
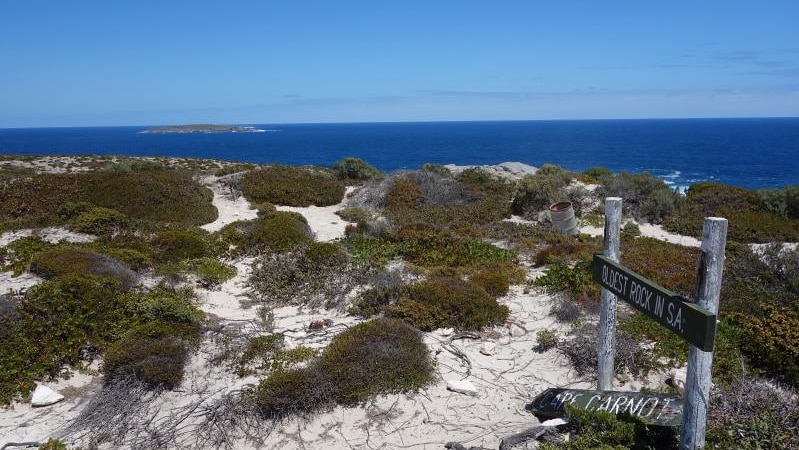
pixel 694 322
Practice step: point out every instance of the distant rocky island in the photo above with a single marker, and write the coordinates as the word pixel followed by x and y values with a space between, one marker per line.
pixel 201 128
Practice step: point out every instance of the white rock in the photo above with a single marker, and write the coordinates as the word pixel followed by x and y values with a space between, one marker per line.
pixel 554 422
pixel 44 396
pixel 504 340
pixel 517 330
pixel 462 386
pixel 445 331
pixel 488 348
pixel 288 344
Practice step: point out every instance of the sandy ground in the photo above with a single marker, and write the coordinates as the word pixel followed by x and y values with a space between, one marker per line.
pixel 649 230
pixel 506 380
pixel 324 222
pixel 231 207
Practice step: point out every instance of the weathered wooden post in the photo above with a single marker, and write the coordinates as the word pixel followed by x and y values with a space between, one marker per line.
pixel 606 344
pixel 697 383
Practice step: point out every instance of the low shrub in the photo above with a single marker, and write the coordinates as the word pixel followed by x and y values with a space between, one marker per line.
pixel 753 414
pixel 381 356
pixel 149 195
pixel 437 169
pixel 234 168
pixel 603 430
pixel 750 219
pixel 446 302
pixel 645 196
pixel 630 358
pixel 156 362
pixel 354 169
pixel 292 186
pixel 385 289
pixel 64 262
pixel 597 174
pixel 493 281
pixel 100 221
pixel 354 214
pixel 318 274
pixel 18 255
pixel 771 341
pixel 546 339
pixel 178 245
pixel 210 271
pixel 576 280
pixel 631 229
pixel 536 192
pixel 275 232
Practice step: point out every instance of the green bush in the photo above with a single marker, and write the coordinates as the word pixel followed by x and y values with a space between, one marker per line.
pixel 279 231
pixel 101 221
pixel 372 358
pixel 602 430
pixel 645 196
pixel 437 169
pixel 62 262
pixel 152 195
pixel 53 324
pixel 576 280
pixel 18 254
pixel 354 169
pixel 493 281
pixel 631 229
pixel 292 186
pixel 156 362
pixel 751 218
pixel 211 271
pixel 771 341
pixel 318 274
pixel 597 174
pixel 546 339
pixel 536 192
pixel 446 302
pixel 178 245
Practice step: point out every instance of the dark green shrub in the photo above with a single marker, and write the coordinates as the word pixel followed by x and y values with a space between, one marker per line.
pixel 385 290
pixel 602 430
pixel 273 232
pixel 446 302
pixel 178 245
pixel 377 357
pixel 551 169
pixel 161 306
pixel 493 281
pixel 576 280
pixel 62 262
pixel 645 196
pixel 536 192
pixel 18 254
pixel 156 362
pixel 771 341
pixel 354 214
pixel 292 186
pixel 597 174
pixel 70 210
pixel 631 229
pixel 152 195
pixel 101 221
pixel 354 169
pixel 210 271
pixel 750 219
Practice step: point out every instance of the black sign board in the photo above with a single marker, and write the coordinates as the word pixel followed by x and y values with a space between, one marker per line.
pixel 689 321
pixel 664 410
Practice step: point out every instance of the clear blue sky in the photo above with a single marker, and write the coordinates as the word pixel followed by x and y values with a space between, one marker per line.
pixel 73 63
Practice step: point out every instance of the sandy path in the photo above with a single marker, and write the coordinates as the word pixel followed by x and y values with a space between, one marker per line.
pixel 231 208
pixel 324 222
pixel 649 230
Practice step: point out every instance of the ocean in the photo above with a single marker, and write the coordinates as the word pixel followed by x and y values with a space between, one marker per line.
pixel 751 153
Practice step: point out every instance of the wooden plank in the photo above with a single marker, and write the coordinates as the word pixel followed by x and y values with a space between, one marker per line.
pixel 606 341
pixel 654 409
pixel 700 361
pixel 688 320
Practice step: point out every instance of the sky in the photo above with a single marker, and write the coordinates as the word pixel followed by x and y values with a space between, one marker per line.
pixel 110 62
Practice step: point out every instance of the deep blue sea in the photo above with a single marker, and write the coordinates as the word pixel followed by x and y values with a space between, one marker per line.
pixel 752 153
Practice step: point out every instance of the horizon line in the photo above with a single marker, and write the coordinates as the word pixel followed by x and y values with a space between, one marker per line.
pixel 406 122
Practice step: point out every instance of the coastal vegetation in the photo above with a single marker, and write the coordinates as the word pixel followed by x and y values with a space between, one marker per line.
pixel 426 250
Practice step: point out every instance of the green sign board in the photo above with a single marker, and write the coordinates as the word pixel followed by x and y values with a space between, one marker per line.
pixel 664 410
pixel 689 321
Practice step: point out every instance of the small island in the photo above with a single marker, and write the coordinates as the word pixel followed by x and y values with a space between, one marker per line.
pixel 201 128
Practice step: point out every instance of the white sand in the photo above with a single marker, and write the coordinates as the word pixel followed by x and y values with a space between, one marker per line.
pixel 230 207
pixel 649 230
pixel 324 222
pixel 52 235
